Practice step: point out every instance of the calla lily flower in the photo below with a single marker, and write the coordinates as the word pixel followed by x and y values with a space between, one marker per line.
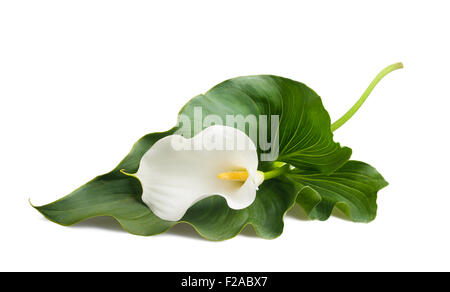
pixel 176 172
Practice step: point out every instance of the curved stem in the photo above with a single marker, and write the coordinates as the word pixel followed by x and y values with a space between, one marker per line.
pixel 336 125
pixel 276 172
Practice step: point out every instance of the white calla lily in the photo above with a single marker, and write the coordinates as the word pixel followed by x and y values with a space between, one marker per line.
pixel 176 172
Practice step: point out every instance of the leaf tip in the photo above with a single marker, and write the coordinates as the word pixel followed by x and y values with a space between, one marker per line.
pixel 31 204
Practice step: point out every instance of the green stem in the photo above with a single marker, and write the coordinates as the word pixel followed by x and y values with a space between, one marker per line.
pixel 276 172
pixel 336 125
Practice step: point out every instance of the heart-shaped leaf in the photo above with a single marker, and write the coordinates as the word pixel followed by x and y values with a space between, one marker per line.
pixel 305 141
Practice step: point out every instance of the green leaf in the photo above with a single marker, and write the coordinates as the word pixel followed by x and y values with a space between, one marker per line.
pixel 352 189
pixel 117 195
pixel 305 138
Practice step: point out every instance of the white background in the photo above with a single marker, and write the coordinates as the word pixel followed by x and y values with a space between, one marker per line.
pixel 81 81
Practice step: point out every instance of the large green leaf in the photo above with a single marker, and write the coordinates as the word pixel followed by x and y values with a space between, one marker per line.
pixel 117 195
pixel 305 139
pixel 352 189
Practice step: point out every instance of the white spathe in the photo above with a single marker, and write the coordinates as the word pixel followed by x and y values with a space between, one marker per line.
pixel 176 172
